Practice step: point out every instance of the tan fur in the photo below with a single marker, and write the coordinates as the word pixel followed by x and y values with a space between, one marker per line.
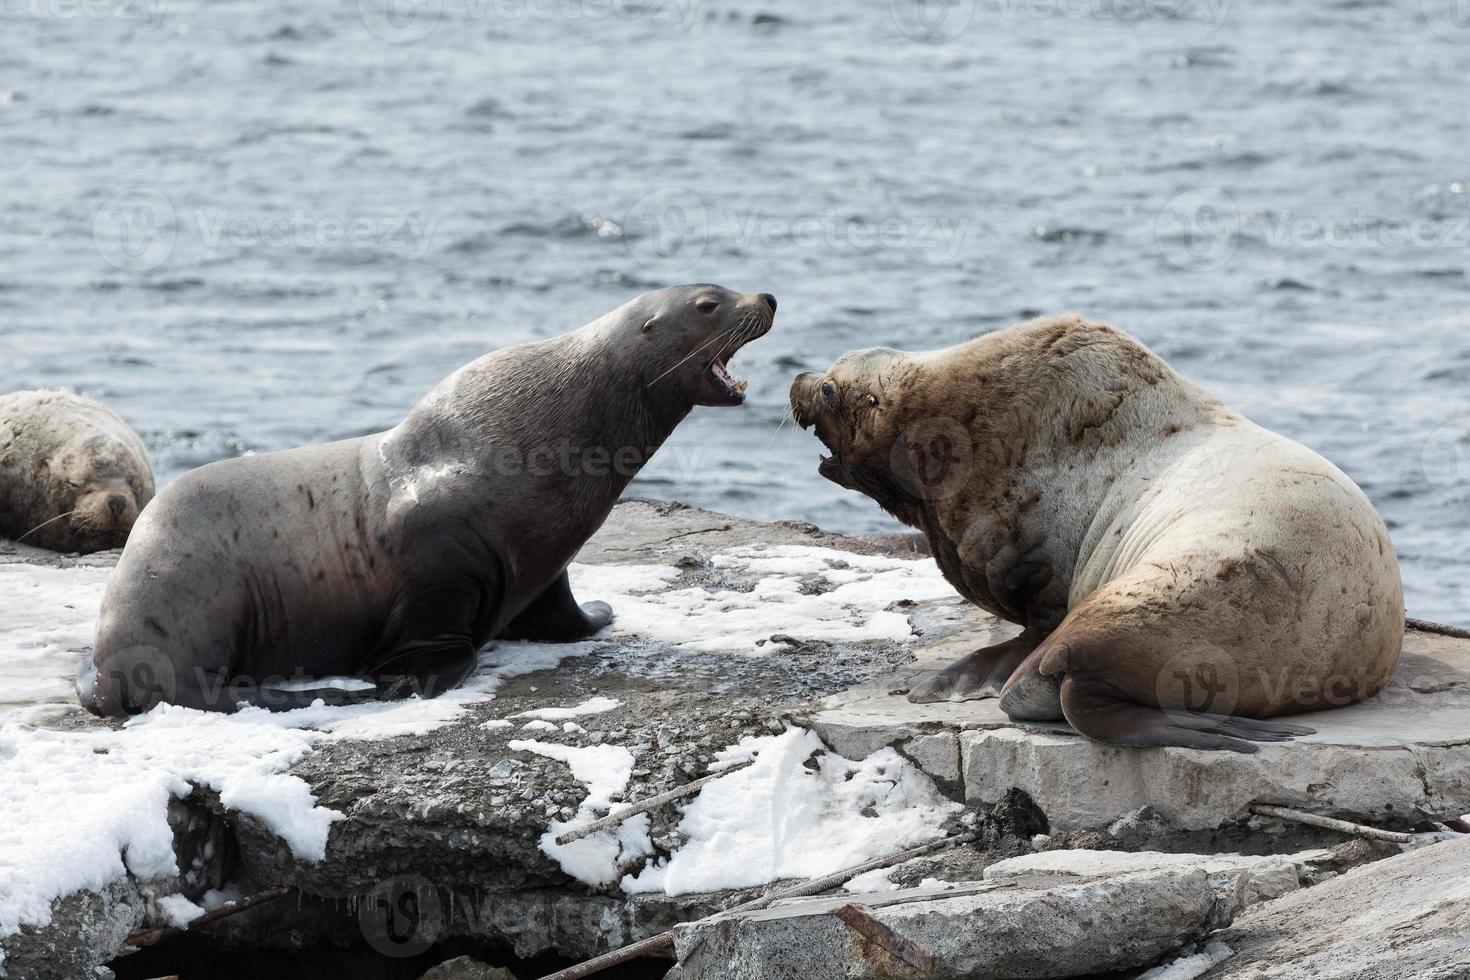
pixel 62 454
pixel 1149 538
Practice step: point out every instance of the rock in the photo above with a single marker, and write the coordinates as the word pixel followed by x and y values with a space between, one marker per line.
pixel 1020 928
pixel 1405 918
pixel 456 808
pixel 466 968
pixel 1399 759
pixel 1240 880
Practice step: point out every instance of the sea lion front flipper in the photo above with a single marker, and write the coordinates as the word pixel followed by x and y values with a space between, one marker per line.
pixel 977 675
pixel 1095 709
pixel 555 616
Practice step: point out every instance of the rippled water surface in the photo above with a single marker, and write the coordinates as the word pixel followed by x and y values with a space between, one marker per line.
pixel 255 225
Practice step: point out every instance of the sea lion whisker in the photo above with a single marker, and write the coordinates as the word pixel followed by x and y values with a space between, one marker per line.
pixel 44 523
pixel 691 354
pixel 786 416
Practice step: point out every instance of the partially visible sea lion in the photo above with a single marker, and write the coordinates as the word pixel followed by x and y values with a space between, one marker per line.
pixel 1179 572
pixel 73 476
pixel 395 557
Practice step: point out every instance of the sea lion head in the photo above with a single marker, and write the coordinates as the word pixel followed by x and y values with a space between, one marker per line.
pixel 857 409
pixel 688 334
pixel 97 485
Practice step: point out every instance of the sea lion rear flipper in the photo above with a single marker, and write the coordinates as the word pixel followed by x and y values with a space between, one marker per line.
pixel 977 675
pixel 1094 709
pixel 555 616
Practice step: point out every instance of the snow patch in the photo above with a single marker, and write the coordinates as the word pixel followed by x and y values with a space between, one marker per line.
pixel 872 881
pixel 852 606
pixel 779 819
pixel 81 808
pixel 592 706
pixel 604 770
pixel 177 910
pixel 1189 967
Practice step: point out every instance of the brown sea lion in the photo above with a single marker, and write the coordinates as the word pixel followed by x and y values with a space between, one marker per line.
pixel 394 557
pixel 73 476
pixel 1180 573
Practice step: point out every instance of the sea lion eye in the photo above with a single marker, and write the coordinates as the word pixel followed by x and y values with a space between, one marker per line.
pixel 873 401
pixel 707 305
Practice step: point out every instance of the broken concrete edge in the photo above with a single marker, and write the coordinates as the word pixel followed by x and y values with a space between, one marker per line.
pixel 779 939
pixel 1022 927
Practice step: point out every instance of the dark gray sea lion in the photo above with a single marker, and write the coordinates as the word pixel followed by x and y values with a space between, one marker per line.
pixel 1179 572
pixel 73 476
pixel 396 556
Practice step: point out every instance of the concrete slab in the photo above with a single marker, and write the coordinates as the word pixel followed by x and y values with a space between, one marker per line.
pixel 1023 927
pixel 1241 879
pixel 1398 758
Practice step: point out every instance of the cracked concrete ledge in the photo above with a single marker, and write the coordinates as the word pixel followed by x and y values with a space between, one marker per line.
pixel 1399 759
pixel 458 811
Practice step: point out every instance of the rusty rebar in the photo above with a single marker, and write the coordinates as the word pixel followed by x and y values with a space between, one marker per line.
pixel 152 937
pixel 1330 823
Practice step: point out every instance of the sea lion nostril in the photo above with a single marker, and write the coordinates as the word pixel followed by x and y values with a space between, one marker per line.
pixel 770 301
pixel 117 504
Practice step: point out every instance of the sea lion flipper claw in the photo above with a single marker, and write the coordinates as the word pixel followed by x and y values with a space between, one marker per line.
pixel 977 675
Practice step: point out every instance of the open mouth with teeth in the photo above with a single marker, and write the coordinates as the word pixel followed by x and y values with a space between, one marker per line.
pixel 732 387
